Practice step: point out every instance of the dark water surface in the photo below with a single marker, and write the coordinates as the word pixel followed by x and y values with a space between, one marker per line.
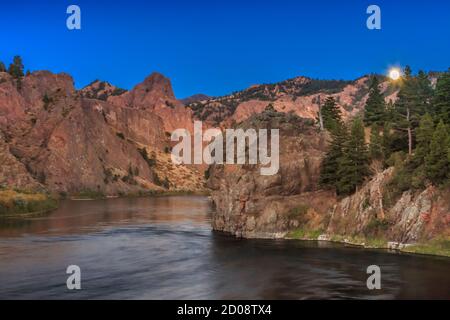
pixel 163 248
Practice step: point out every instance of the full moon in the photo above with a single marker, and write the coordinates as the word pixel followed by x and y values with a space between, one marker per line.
pixel 394 74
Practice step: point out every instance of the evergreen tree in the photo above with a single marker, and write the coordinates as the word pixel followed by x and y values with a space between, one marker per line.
pixel 354 165
pixel 16 70
pixel 424 136
pixel 376 143
pixel 330 164
pixel 441 99
pixel 424 93
pixel 2 67
pixel 386 140
pixel 437 163
pixel 331 114
pixel 375 106
pixel 409 107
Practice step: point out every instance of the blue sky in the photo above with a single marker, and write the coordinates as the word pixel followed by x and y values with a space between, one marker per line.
pixel 216 47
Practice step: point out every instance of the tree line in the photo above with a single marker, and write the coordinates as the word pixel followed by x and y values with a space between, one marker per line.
pixel 16 70
pixel 412 134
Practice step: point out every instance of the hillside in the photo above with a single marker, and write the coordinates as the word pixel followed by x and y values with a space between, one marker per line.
pixel 90 141
pixel 300 95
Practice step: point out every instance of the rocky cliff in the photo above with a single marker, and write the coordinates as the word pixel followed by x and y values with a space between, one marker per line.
pixel 291 202
pixel 249 204
pixel 414 216
pixel 73 142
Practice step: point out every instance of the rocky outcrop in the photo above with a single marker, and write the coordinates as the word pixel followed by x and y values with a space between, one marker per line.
pixel 249 204
pixel 195 98
pixel 300 95
pixel 415 216
pixel 72 142
pixel 155 94
pixel 13 173
pixel 101 90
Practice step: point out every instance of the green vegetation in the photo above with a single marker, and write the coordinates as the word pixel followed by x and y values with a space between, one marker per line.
pixel 120 135
pixel 330 164
pixel 89 194
pixel 441 99
pixel 2 67
pixel 22 202
pixel 47 102
pixel 439 247
pixel 299 213
pixel 305 234
pixel 16 71
pixel 376 228
pixel 412 134
pixel 346 164
pixel 118 91
pixel 353 166
pixel 130 177
pixel 151 161
pixel 207 173
pixel 331 114
pixel 376 143
pixel 375 109
pixel 162 183
pixel 101 91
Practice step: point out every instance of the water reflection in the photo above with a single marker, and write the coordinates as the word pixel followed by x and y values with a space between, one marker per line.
pixel 87 216
pixel 163 248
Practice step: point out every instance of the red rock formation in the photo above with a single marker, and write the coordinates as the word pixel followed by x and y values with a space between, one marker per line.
pixel 249 204
pixel 299 95
pixel 155 94
pixel 70 143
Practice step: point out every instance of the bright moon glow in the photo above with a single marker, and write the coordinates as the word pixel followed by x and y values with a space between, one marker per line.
pixel 394 74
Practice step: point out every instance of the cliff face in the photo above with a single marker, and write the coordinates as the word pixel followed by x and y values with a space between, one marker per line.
pixel 71 142
pixel 13 173
pixel 415 216
pixel 249 204
pixel 155 95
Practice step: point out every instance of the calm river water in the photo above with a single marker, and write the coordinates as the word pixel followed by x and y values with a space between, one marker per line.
pixel 164 248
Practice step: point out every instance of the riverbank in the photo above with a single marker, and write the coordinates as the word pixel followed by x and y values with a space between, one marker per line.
pixel 91 195
pixel 135 241
pixel 436 247
pixel 19 202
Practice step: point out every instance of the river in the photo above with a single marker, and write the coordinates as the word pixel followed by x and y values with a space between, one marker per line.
pixel 164 248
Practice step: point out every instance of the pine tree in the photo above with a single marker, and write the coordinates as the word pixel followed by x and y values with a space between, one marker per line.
pixel 424 93
pixel 354 165
pixel 2 67
pixel 409 107
pixel 441 99
pixel 331 114
pixel 16 70
pixel 386 140
pixel 424 136
pixel 437 163
pixel 376 143
pixel 330 164
pixel 375 106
